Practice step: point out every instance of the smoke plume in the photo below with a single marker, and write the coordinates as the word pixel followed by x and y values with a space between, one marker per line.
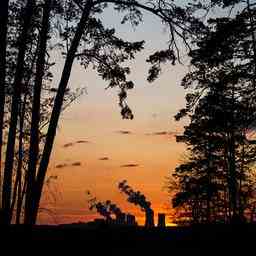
pixel 137 198
pixel 100 207
pixel 134 197
pixel 105 208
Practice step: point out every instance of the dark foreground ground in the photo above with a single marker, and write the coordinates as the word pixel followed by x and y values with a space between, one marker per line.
pixel 106 240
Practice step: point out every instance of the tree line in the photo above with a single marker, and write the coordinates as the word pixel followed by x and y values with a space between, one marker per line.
pixel 216 180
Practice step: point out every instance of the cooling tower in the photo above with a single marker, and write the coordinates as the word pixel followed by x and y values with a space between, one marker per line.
pixel 149 222
pixel 161 220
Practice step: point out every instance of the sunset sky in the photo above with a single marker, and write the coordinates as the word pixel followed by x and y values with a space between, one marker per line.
pixel 95 148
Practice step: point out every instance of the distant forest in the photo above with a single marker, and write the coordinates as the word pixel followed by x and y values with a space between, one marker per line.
pixel 216 181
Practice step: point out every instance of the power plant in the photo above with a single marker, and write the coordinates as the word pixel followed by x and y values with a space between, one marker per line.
pixel 107 209
pixel 149 220
pixel 113 215
pixel 161 220
pixel 137 198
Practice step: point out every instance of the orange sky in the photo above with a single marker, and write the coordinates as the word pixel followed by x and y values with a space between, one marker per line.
pixel 95 121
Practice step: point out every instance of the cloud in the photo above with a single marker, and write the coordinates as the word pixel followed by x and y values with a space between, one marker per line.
pixel 154 115
pixel 163 133
pixel 160 133
pixel 129 165
pixel 124 132
pixel 76 164
pixel 70 144
pixel 103 158
pixel 60 166
pixel 82 142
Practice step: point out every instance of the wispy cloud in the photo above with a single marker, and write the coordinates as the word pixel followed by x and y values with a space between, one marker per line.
pixel 65 165
pixel 125 132
pixel 103 158
pixel 71 144
pixel 129 165
pixel 82 142
pixel 76 164
pixel 154 115
pixel 163 133
pixel 60 166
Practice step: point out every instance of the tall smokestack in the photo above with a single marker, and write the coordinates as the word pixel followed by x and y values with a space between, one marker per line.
pixel 137 198
pixel 130 220
pixel 161 220
pixel 149 222
pixel 121 219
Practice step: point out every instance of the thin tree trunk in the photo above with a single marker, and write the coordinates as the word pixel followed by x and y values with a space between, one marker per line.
pixel 34 131
pixel 232 162
pixel 19 202
pixel 18 173
pixel 241 206
pixel 253 40
pixel 209 174
pixel 34 206
pixel 21 195
pixel 228 204
pixel 232 176
pixel 8 170
pixel 17 183
pixel 3 47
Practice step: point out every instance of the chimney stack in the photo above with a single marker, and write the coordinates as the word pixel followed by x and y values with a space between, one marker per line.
pixel 130 220
pixel 121 219
pixel 149 222
pixel 161 220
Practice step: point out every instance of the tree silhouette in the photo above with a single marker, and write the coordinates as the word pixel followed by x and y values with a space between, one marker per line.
pixel 21 151
pixel 3 42
pixel 222 111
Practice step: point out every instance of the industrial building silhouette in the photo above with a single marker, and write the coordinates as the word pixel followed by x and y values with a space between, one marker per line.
pixel 130 220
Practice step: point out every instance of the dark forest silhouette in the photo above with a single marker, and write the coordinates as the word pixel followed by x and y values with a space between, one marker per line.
pixel 216 182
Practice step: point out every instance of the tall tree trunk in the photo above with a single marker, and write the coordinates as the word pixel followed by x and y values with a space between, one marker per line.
pixel 37 191
pixel 21 196
pixel 18 173
pixel 34 131
pixel 232 162
pixel 240 189
pixel 209 181
pixel 252 27
pixel 232 176
pixel 227 201
pixel 17 184
pixel 19 202
pixel 8 170
pixel 3 47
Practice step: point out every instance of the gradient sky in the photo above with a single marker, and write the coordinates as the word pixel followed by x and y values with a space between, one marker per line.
pixel 92 129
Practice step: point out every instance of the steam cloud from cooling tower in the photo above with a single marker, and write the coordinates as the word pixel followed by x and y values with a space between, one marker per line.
pixel 137 198
pixel 105 209
pixel 113 208
pixel 100 208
